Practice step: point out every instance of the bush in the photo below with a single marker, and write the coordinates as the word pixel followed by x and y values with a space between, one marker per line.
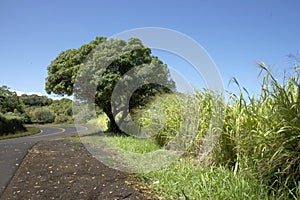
pixel 10 124
pixel 42 115
pixel 101 121
pixel 60 119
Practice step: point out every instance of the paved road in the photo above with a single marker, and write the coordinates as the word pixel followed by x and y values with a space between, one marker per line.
pixel 12 151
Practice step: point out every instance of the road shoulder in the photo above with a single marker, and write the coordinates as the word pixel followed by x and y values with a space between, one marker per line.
pixel 64 169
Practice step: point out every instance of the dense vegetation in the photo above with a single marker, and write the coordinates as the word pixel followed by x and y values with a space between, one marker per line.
pixel 41 109
pixel 10 124
pixel 260 139
pixel 15 111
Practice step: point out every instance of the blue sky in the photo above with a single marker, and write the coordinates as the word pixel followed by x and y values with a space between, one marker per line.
pixel 236 34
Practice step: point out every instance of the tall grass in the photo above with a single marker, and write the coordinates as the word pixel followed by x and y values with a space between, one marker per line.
pixel 259 135
pixel 262 134
pixel 182 117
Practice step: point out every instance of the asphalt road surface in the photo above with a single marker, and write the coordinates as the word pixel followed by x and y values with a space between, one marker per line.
pixel 12 151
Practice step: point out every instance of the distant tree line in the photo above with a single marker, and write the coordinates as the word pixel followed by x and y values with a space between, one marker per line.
pixel 41 109
pixel 17 110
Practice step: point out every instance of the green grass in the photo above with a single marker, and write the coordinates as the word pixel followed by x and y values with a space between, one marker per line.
pixel 128 154
pixel 133 144
pixel 30 131
pixel 126 143
pixel 185 180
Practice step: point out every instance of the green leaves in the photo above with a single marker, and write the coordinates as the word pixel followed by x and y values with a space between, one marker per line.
pixel 62 70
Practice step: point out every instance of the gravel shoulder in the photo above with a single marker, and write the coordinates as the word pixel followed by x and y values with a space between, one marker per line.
pixel 64 169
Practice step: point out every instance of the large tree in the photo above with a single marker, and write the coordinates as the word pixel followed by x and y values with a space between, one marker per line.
pixel 102 64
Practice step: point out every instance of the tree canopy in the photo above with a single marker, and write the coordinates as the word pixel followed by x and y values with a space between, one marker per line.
pixel 101 64
pixel 62 70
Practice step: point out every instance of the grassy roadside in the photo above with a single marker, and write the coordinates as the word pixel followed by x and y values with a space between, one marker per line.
pixel 184 179
pixel 30 131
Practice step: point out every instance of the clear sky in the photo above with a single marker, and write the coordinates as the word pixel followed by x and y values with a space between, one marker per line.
pixel 236 34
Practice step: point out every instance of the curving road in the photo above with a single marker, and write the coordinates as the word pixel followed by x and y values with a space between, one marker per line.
pixel 12 151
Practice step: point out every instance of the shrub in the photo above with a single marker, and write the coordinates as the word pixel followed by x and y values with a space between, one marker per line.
pixel 59 119
pixel 101 121
pixel 10 124
pixel 42 115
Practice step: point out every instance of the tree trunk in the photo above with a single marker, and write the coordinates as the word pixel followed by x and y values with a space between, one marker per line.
pixel 112 125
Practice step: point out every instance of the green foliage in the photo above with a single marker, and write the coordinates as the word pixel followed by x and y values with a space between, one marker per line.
pixel 101 121
pixel 164 114
pixel 63 110
pixel 167 112
pixel 62 107
pixel 9 101
pixel 42 115
pixel 262 134
pixel 111 59
pixel 35 100
pixel 62 119
pixel 83 114
pixel 133 144
pixel 12 113
pixel 34 104
pixel 62 70
pixel 10 123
